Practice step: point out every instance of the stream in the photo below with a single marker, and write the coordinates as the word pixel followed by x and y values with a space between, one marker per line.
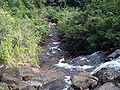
pixel 56 58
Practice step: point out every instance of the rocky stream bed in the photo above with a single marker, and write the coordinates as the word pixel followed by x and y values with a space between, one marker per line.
pixel 59 71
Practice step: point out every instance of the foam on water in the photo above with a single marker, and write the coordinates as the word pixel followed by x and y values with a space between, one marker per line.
pixel 83 59
pixel 61 60
pixel 86 67
pixel 68 81
pixel 56 43
pixel 111 64
pixel 95 53
pixel 48 53
pixel 71 67
pixel 51 48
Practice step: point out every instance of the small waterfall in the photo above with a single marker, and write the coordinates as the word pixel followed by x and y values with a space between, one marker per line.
pixel 111 64
pixel 93 63
pixel 72 67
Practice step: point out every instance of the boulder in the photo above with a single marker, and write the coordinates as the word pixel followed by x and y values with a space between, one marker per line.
pixel 28 74
pixel 108 86
pixel 30 77
pixel 11 75
pixel 62 83
pixel 106 75
pixel 85 80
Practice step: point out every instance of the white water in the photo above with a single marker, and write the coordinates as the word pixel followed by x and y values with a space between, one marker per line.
pixel 55 49
pixel 83 59
pixel 68 81
pixel 111 64
pixel 56 43
pixel 71 67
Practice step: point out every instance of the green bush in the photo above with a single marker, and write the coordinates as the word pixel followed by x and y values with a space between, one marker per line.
pixel 90 30
pixel 21 28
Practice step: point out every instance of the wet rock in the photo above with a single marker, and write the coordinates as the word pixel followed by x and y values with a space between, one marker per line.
pixel 2 69
pixel 96 58
pixel 91 61
pixel 81 60
pixel 52 74
pixel 3 86
pixel 58 84
pixel 114 55
pixel 85 80
pixel 108 86
pixel 106 75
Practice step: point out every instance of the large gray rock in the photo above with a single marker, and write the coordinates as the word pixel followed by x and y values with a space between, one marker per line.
pixel 93 59
pixel 28 74
pixel 59 84
pixel 108 86
pixel 106 75
pixel 85 80
pixel 30 78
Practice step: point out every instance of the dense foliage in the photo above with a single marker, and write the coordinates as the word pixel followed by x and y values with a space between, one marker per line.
pixel 21 28
pixel 97 27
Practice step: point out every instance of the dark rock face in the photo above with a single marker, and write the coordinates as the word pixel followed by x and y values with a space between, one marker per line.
pixel 106 75
pixel 113 55
pixel 85 80
pixel 108 86
pixel 93 59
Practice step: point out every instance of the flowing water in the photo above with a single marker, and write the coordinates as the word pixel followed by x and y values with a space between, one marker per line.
pixel 58 58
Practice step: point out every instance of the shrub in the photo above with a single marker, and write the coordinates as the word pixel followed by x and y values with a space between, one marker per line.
pixel 87 31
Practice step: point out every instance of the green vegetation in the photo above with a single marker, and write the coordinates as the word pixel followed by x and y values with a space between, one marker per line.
pixel 96 26
pixel 84 26
pixel 21 28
